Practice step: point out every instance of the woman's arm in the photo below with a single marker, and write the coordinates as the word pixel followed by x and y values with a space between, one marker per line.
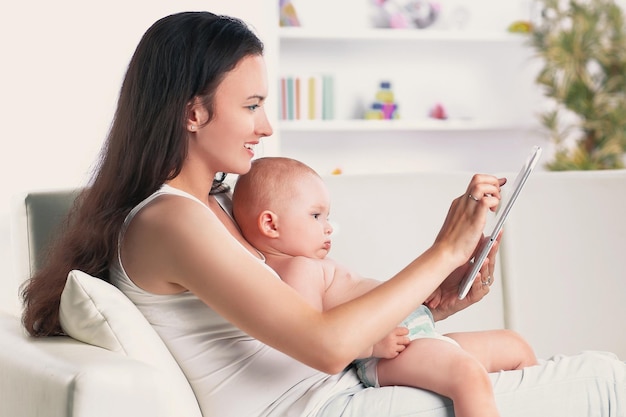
pixel 325 284
pixel 176 244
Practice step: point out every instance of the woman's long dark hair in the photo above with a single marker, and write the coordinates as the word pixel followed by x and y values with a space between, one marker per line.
pixel 180 57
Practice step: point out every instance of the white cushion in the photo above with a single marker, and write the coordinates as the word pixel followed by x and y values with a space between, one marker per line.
pixel 95 312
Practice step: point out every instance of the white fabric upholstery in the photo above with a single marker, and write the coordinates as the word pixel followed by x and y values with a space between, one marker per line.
pixel 95 312
pixel 61 377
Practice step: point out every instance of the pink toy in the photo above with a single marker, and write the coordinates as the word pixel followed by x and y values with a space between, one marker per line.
pixel 438 112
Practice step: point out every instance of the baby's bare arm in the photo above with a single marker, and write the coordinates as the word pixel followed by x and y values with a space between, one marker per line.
pixel 323 282
pixel 326 284
pixel 307 276
pixel 345 285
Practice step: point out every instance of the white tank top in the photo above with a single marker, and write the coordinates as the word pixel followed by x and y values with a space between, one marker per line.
pixel 231 373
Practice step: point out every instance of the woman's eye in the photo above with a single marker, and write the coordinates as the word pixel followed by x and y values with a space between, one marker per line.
pixel 253 107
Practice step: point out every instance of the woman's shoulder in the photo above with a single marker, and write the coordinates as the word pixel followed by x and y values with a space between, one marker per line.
pixel 166 237
pixel 167 210
pixel 170 206
pixel 168 220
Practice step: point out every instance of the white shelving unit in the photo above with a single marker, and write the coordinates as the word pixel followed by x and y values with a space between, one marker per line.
pixel 484 79
pixel 381 34
pixel 423 125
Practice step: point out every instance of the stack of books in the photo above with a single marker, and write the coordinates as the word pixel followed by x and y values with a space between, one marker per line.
pixel 306 97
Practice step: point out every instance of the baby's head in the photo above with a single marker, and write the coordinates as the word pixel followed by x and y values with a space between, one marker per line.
pixel 282 206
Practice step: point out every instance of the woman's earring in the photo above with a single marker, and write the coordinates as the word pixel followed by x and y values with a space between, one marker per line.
pixel 192 128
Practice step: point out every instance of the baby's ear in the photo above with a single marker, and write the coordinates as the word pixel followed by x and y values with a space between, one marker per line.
pixel 268 224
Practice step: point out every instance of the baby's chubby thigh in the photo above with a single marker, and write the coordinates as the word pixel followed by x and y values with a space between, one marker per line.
pixel 435 364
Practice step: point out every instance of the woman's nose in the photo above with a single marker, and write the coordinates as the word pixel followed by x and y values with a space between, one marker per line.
pixel 264 128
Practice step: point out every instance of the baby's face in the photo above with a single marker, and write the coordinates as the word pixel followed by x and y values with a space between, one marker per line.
pixel 303 220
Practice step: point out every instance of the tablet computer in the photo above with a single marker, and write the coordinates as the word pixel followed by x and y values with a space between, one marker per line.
pixel 503 211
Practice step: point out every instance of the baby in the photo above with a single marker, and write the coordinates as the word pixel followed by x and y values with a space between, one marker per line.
pixel 282 208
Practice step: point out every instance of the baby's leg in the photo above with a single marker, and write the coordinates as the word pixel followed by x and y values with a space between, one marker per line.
pixel 497 350
pixel 445 368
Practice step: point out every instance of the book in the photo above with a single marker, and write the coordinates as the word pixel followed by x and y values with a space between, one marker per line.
pixel 306 97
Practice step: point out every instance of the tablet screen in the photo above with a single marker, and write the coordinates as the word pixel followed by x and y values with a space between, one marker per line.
pixel 503 211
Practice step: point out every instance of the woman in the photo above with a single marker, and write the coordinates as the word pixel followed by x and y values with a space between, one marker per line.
pixel 154 223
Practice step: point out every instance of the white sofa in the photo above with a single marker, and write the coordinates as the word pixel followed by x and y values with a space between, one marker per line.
pixel 560 282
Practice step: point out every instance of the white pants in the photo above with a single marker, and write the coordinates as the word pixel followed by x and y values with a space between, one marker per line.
pixel 591 384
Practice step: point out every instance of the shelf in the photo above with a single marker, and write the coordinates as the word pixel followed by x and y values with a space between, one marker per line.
pixel 395 125
pixel 481 74
pixel 297 33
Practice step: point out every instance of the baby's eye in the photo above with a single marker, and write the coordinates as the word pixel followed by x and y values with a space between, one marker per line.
pixel 316 216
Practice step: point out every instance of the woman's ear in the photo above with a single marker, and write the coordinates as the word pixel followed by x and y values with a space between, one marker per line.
pixel 197 115
pixel 268 224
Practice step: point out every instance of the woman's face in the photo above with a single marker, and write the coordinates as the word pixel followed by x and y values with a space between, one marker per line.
pixel 227 143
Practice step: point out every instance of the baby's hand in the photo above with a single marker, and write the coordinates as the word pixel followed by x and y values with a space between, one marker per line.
pixel 392 344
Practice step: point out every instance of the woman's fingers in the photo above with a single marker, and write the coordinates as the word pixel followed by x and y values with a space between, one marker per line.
pixel 467 217
pixel 483 184
pixel 487 271
pixel 486 275
pixel 485 189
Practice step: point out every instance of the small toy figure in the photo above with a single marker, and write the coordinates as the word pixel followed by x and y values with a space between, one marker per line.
pixel 384 107
pixel 403 14
pixel 438 112
pixel 288 15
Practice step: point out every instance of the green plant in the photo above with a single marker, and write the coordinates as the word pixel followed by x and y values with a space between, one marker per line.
pixel 582 45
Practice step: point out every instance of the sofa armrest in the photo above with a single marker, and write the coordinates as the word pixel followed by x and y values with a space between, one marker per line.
pixel 62 377
pixel 564 263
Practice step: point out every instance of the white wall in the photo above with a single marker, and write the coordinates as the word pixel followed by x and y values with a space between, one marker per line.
pixel 62 67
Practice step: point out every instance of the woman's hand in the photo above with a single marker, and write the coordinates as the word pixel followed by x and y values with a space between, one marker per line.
pixel 445 300
pixel 463 227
